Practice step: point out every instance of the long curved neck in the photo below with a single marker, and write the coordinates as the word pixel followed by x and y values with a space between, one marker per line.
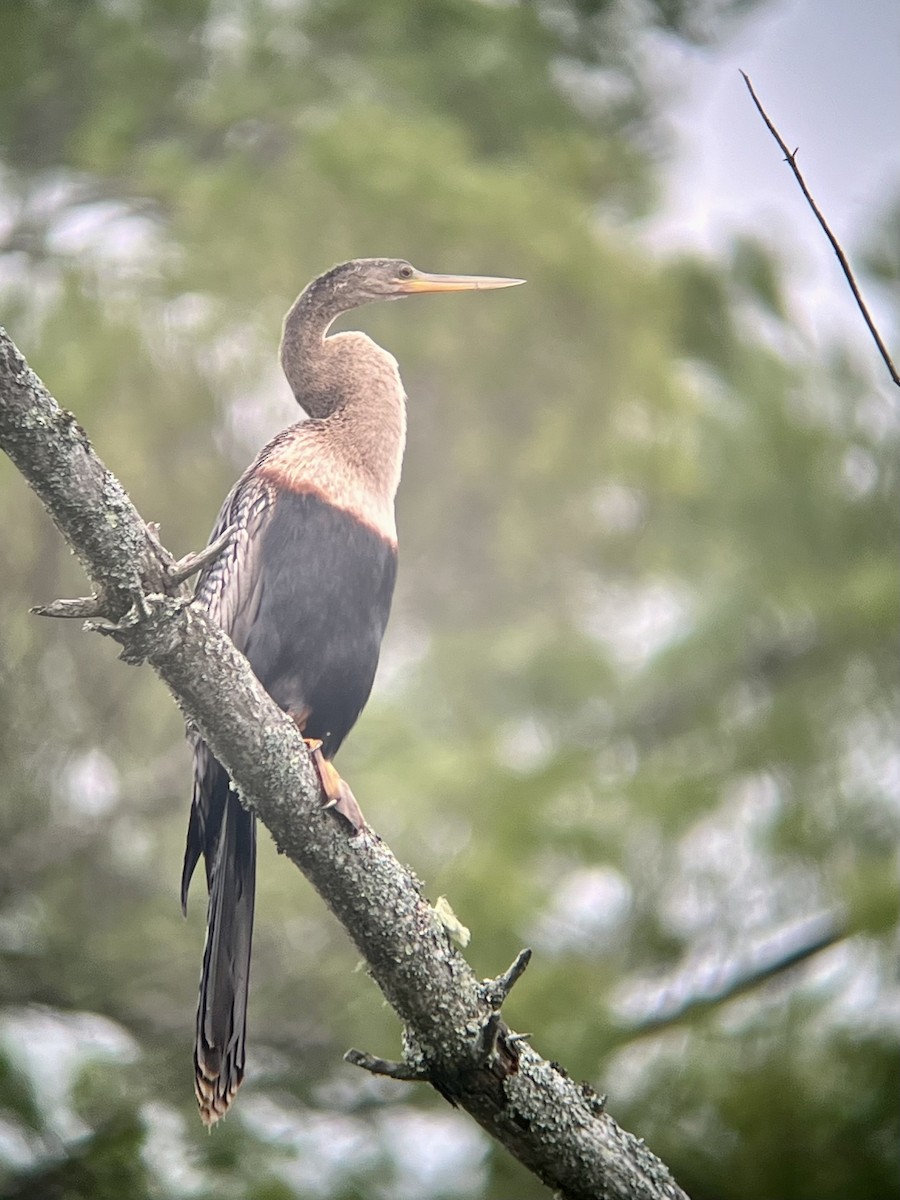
pixel 303 352
pixel 349 384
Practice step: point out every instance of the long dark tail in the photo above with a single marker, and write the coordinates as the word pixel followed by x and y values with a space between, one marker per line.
pixel 229 846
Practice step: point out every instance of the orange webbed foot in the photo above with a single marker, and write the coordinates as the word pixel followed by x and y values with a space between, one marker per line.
pixel 336 791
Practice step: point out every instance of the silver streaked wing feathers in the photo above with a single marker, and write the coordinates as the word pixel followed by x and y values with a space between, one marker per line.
pixel 230 587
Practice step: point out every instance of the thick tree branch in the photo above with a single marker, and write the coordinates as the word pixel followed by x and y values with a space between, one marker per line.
pixel 453 1034
pixel 790 157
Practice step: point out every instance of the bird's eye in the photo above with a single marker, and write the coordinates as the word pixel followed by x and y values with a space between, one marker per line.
pixel 405 272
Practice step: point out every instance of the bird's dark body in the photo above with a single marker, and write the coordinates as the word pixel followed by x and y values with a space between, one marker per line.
pixel 303 588
pixel 322 613
pixel 320 599
pixel 316 585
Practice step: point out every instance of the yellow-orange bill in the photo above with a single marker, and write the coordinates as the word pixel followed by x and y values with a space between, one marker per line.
pixel 421 281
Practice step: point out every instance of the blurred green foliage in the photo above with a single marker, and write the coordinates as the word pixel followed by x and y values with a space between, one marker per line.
pixel 638 699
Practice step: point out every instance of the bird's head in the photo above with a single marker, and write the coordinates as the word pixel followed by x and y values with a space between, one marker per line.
pixel 347 286
pixel 364 280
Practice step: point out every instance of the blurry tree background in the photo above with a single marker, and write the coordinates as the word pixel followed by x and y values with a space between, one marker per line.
pixel 638 702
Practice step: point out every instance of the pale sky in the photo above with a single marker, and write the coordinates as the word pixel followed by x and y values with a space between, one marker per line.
pixel 828 73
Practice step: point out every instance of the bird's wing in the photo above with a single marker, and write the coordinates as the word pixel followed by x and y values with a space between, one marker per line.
pixel 230 587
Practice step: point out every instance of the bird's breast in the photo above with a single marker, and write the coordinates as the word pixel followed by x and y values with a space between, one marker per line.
pixel 313 466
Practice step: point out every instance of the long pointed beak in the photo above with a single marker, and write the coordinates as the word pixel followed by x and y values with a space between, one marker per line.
pixel 421 282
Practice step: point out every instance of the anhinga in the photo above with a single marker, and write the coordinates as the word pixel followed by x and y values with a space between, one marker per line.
pixel 303 588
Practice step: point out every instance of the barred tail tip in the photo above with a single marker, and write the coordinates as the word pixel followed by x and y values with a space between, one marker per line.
pixel 213 1096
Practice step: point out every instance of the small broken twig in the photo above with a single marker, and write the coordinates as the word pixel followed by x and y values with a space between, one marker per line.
pixel 488 1038
pixel 790 157
pixel 497 990
pixel 406 1072
pixel 192 563
pixel 84 606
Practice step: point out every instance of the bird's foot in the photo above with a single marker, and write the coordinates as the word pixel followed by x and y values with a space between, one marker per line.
pixel 336 793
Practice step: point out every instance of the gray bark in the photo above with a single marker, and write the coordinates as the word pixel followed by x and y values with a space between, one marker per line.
pixel 453 1035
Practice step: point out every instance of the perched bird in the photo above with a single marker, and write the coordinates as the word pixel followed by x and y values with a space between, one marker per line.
pixel 303 588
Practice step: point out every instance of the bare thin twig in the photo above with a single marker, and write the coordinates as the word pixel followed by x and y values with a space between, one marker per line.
pixel 790 157
pixel 822 936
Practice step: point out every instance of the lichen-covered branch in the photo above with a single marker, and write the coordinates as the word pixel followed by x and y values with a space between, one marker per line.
pixel 453 1034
